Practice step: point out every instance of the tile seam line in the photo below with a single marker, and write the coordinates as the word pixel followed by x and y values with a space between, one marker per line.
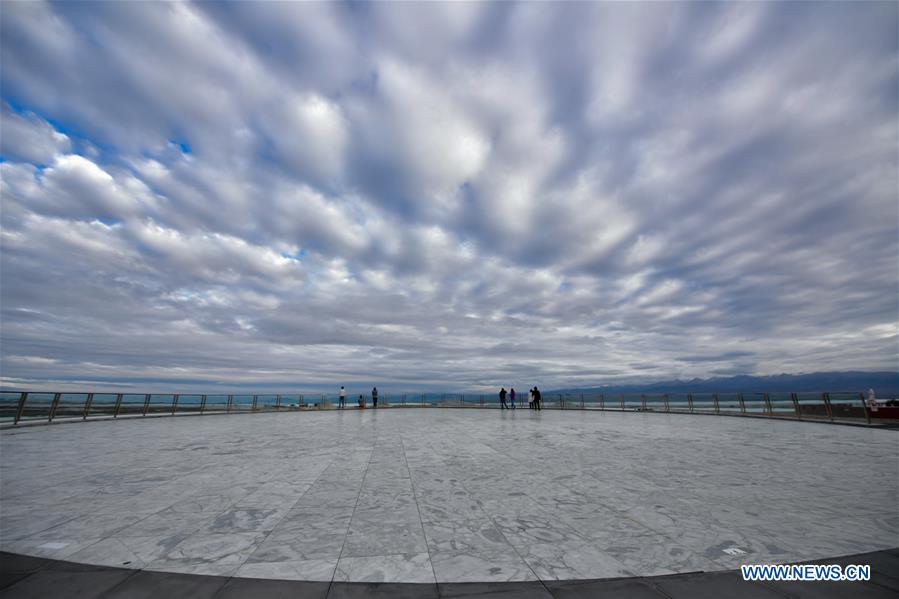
pixel 229 578
pixel 492 523
pixel 293 505
pixel 353 515
pixel 418 511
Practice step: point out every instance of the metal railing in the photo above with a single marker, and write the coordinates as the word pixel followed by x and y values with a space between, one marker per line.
pixel 26 406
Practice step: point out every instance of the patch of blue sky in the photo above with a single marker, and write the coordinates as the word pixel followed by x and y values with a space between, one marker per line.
pixel 297 255
pixel 182 145
pixel 82 143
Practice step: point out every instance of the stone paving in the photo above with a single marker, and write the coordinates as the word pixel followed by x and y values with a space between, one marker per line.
pixel 446 495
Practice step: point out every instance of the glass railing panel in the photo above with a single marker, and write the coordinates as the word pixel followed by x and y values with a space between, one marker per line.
pixel 812 406
pixel 678 402
pixel 847 406
pixel 242 403
pixel 37 407
pixel 782 404
pixel 704 402
pixel 132 403
pixel 161 403
pixel 266 402
pixel 216 403
pixel 755 403
pixel 189 404
pixel 655 403
pixel 9 405
pixel 290 402
pixel 598 401
pixel 103 404
pixel 632 401
pixel 729 403
pixel 70 405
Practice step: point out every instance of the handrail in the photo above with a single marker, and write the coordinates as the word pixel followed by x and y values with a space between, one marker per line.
pixel 838 407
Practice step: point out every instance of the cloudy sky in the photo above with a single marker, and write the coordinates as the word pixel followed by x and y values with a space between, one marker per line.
pixel 445 196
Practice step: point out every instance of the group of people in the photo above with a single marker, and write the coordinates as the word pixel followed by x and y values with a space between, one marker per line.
pixel 342 398
pixel 534 398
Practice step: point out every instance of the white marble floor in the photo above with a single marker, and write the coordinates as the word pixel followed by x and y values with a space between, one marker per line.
pixel 419 495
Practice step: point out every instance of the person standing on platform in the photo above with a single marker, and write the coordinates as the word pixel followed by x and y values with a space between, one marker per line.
pixel 530 399
pixel 537 398
pixel 502 399
pixel 342 402
pixel 374 397
pixel 512 397
pixel 361 402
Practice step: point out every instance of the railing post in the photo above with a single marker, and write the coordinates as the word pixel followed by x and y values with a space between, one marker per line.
pixel 643 400
pixel 87 405
pixel 53 407
pixel 23 397
pixel 861 396
pixel 582 401
pixel 277 403
pixel 230 401
pixel 717 404
pixel 621 395
pixel 202 404
pixel 768 404
pixel 175 403
pixel 667 408
pixel 404 399
pixel 602 401
pixel 253 409
pixel 146 403
pixel 742 404
pixel 795 398
pixel 690 401
pixel 827 406
pixel 118 405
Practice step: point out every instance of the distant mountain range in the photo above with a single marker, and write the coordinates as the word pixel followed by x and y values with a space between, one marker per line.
pixel 883 383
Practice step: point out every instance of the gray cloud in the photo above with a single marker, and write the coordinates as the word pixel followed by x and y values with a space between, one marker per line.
pixel 445 195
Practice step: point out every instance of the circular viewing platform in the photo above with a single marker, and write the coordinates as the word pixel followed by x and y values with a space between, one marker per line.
pixel 447 496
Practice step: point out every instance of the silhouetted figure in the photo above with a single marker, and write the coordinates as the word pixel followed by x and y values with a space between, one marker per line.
pixel 537 398
pixel 512 397
pixel 342 402
pixel 374 397
pixel 502 399
pixel 361 402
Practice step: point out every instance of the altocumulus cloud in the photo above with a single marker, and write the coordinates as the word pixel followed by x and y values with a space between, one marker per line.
pixel 286 195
